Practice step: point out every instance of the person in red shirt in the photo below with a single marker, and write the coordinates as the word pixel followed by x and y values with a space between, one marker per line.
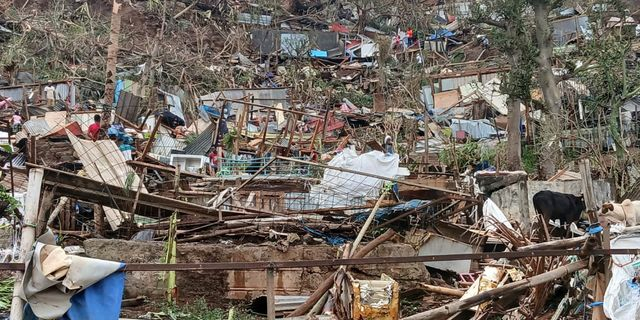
pixel 94 129
pixel 213 160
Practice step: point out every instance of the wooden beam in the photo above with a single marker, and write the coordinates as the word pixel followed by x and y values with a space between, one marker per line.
pixel 85 189
pixel 152 137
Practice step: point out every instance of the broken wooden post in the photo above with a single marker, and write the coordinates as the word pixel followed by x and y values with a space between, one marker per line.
pixel 176 182
pixel 56 211
pixel 98 218
pixel 511 288
pixel 367 223
pixel 587 185
pixel 556 244
pixel 31 206
pixel 443 290
pixel 328 282
pixel 152 137
pixel 47 199
pixel 271 296
pixel 112 54
pixel 591 206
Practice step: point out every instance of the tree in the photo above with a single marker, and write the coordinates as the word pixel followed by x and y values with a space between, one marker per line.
pixel 511 34
pixel 548 84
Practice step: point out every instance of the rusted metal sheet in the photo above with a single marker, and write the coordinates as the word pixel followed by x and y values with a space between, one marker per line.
pixel 375 299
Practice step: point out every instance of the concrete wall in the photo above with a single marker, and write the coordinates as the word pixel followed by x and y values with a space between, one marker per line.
pixel 507 198
pixel 241 284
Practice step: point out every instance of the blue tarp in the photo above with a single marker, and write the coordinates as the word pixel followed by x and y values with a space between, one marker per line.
pixel 119 88
pixel 101 301
pixel 384 213
pixel 441 33
pixel 330 239
pixel 318 53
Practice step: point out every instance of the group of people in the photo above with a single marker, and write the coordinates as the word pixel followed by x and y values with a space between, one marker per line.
pixel 405 39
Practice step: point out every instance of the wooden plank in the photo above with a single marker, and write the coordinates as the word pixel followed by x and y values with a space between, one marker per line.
pixel 152 137
pixel 31 207
pixel 85 189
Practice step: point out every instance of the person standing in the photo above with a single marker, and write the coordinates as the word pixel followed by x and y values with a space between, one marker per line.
pixel 17 122
pixel 388 144
pixel 50 93
pixel 94 129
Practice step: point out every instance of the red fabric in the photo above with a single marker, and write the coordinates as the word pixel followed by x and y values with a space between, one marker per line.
pixel 93 131
pixel 73 127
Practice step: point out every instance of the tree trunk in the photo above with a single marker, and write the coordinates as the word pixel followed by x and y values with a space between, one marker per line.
pixel 514 153
pixel 551 153
pixel 112 54
pixel 514 148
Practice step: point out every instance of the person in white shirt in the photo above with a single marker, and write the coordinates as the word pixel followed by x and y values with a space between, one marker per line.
pixel 50 92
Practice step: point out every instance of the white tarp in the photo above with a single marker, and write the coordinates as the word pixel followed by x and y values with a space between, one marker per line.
pixel 493 214
pixel 622 298
pixel 340 189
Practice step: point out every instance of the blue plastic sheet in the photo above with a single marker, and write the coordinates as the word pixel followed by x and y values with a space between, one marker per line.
pixel 330 239
pixel 101 301
pixel 384 213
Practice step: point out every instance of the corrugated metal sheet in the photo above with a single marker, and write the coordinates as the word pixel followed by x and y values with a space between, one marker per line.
pixel 62 91
pixel 164 143
pixel 267 41
pixel 455 83
pixel 203 142
pixel 488 77
pixel 103 161
pixel 36 127
pixel 568 29
pixel 14 93
pixel 129 106
pixel 258 19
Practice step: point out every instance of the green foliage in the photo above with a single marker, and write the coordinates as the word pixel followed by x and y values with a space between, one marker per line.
pixel 11 202
pixel 128 183
pixel 514 39
pixel 530 159
pixel 358 98
pixel 470 153
pixel 190 138
pixel 229 139
pixel 6 293
pixel 199 310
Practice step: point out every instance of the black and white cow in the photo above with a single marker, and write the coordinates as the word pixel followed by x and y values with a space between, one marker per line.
pixel 553 206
